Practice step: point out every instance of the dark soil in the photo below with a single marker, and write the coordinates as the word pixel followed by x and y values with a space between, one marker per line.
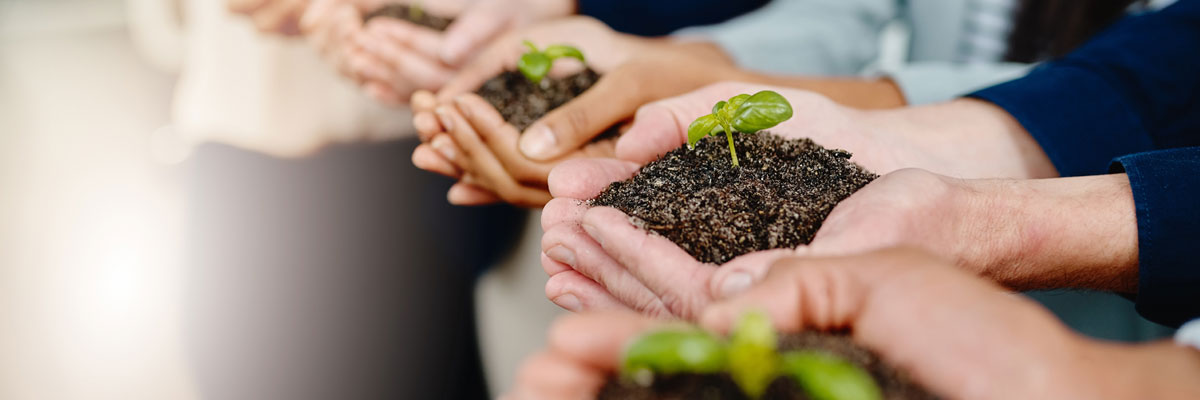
pixel 895 384
pixel 521 102
pixel 401 12
pixel 777 198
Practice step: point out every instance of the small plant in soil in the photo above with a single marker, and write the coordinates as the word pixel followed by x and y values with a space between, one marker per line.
pixel 535 64
pixel 413 13
pixel 524 95
pixel 743 113
pixel 753 363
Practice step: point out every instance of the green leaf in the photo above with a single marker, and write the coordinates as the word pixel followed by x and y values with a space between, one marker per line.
pixel 701 128
pixel 532 47
pixel 672 352
pixel 827 377
pixel 753 363
pixel 534 66
pixel 763 110
pixel 561 50
pixel 717 107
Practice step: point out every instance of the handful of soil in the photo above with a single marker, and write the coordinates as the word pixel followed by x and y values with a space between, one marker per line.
pixel 405 13
pixel 522 102
pixel 777 198
pixel 895 385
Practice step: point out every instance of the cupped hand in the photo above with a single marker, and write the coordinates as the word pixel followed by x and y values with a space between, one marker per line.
pixel 479 148
pixel 959 336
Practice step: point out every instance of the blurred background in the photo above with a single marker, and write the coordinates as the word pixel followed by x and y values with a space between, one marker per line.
pixel 90 212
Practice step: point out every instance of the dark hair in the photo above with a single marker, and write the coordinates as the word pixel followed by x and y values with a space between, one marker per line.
pixel 1045 29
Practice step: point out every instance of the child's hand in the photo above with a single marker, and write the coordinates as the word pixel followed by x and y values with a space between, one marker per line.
pixel 480 148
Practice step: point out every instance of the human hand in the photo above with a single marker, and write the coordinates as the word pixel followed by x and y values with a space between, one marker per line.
pixel 479 149
pixel 1024 234
pixel 272 16
pixel 959 336
pixel 495 169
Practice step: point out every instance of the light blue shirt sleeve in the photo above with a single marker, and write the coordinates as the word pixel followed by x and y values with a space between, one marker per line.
pixel 812 37
pixel 932 82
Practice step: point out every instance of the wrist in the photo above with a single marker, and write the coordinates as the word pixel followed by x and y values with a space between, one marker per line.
pixel 966 138
pixel 1056 233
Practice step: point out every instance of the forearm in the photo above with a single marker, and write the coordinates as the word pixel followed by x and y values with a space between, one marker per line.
pixel 965 138
pixel 862 93
pixel 1055 233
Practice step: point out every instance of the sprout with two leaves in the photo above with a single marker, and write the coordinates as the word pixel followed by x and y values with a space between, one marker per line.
pixel 535 64
pixel 743 113
pixel 750 357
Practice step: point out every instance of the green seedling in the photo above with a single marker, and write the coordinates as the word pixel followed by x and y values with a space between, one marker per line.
pixel 827 377
pixel 743 113
pixel 750 357
pixel 535 64
pixel 673 352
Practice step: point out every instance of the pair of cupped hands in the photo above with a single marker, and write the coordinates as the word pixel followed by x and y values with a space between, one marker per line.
pixel 390 58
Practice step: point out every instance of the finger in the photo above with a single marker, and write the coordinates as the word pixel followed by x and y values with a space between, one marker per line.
pixel 571 246
pixel 317 15
pixel 501 138
pixel 577 293
pixel 670 273
pixel 383 93
pixel 614 98
pixel 424 41
pixel 586 178
pixel 816 292
pixel 597 339
pixel 546 375
pixel 657 129
pixel 477 159
pixel 423 101
pixel 739 274
pixel 411 67
pixel 427 125
pixel 465 194
pixel 426 158
pixel 563 210
pixel 470 32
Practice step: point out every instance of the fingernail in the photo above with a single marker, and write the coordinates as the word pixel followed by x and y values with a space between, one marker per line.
pixel 538 142
pixel 569 302
pixel 562 255
pixel 442 145
pixel 735 283
pixel 444 115
pixel 594 233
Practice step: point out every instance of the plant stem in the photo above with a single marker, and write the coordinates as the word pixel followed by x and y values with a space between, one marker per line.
pixel 732 151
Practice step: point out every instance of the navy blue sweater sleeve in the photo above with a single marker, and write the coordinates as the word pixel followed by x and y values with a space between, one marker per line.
pixel 1135 87
pixel 1165 185
pixel 660 17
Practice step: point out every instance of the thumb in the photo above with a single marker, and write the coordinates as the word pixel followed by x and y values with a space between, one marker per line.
pixel 470 32
pixel 569 127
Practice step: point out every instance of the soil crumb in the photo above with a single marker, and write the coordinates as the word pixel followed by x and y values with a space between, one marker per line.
pixel 777 197
pixel 894 384
pixel 405 13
